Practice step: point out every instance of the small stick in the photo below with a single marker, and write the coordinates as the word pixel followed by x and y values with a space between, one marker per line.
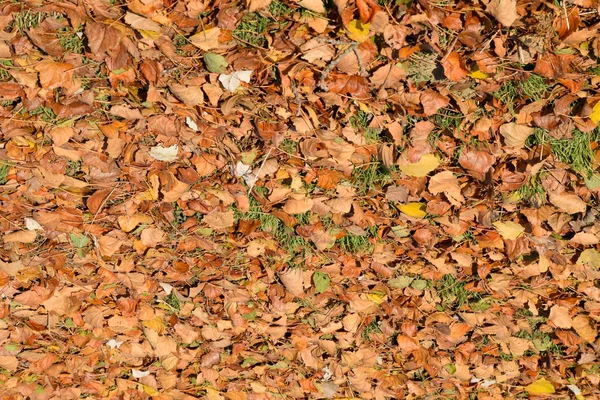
pixel 332 65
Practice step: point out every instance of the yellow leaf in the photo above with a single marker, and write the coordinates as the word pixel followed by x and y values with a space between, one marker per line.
pixel 155 324
pixel 425 165
pixel 509 230
pixel 416 210
pixel 595 115
pixel 376 297
pixel 478 75
pixel 541 386
pixel 150 34
pixel 358 31
pixel 149 390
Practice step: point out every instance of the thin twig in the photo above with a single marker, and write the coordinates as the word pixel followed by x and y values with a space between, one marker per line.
pixel 298 98
pixel 259 170
pixel 333 63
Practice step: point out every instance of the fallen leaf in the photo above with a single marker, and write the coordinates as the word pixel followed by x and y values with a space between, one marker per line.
pixel 432 101
pixel 560 317
pixel 505 11
pixel 219 220
pixel 509 230
pixel 454 68
pixel 161 153
pixel 568 203
pixel 424 166
pixel 358 31
pixel 28 236
pixel 541 386
pixel 254 5
pixel 207 39
pixel 515 135
pixel 447 183
pixel 416 210
pixel 292 279
pixel 232 81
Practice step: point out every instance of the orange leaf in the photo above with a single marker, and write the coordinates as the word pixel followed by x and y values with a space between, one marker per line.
pixel 454 67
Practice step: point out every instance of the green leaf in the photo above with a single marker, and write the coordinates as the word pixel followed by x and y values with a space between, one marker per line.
pixel 79 241
pixel 248 362
pixel 215 62
pixel 400 282
pixel 419 284
pixel 321 281
pixel 250 316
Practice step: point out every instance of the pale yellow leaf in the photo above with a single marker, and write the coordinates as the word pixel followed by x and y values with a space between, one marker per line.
pixel 541 386
pixel 590 257
pixel 509 230
pixel 415 210
pixel 425 165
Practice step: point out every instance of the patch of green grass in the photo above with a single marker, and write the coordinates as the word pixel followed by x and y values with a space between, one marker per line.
pixel 532 192
pixel 4 74
pixel 27 19
pixel 293 244
pixel 453 294
pixel 289 146
pixel 4 168
pixel 252 29
pixel 370 177
pixel 178 214
pixel 542 342
pixel 536 87
pixel 355 244
pixel 73 168
pixel 70 40
pixel 420 67
pixel 370 329
pixel 278 9
pixel 507 94
pixel 360 122
pixel 448 120
pixel 46 114
pixel 576 151
pixel 173 301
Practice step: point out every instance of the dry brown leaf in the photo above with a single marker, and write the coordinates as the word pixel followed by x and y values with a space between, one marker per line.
pixel 560 317
pixel 515 135
pixel 298 204
pixel 20 237
pixel 152 236
pixel 568 203
pixel 432 101
pixel 292 280
pixel 454 67
pixel 447 183
pixel 505 11
pixel 585 328
pixel 219 220
pixel 207 39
